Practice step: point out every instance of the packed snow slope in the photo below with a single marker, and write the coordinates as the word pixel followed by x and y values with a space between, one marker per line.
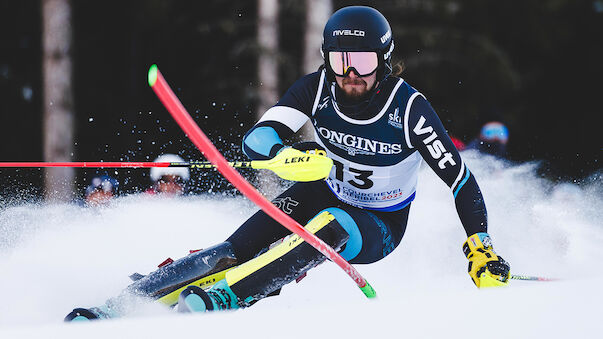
pixel 57 257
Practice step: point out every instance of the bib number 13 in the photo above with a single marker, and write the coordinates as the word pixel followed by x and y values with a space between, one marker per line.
pixel 361 177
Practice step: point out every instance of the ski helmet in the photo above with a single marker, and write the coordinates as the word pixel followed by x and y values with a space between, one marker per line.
pixel 358 29
pixel 494 131
pixel 158 172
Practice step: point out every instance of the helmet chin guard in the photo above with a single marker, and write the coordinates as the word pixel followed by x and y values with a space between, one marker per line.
pixel 359 29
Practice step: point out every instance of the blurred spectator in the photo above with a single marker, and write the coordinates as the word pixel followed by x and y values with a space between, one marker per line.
pixel 169 180
pixel 460 145
pixel 101 190
pixel 492 139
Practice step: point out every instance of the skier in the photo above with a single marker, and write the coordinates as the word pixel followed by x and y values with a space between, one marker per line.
pixel 101 190
pixel 168 180
pixel 377 129
pixel 493 138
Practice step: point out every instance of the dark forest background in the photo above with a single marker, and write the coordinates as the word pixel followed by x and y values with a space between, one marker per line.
pixel 536 65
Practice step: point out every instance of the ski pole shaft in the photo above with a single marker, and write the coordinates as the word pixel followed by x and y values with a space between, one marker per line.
pixel 287 165
pixel 121 164
pixel 530 278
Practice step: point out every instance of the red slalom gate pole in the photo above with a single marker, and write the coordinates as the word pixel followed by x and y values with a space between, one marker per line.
pixel 192 130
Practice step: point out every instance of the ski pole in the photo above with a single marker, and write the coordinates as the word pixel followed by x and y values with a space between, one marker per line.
pixel 119 164
pixel 192 130
pixel 287 165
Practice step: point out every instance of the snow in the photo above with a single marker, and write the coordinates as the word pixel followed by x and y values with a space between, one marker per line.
pixel 57 257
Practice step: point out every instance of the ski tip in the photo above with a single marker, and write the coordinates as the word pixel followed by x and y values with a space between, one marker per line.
pixel 81 314
pixel 152 76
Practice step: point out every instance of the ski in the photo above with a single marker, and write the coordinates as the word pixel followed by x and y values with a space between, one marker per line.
pixel 113 308
pixel 200 268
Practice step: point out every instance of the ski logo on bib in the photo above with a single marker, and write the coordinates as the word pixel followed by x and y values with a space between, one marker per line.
pixel 395 119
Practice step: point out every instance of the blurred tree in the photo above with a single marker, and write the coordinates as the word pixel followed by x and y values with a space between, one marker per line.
pixel 317 14
pixel 268 49
pixel 268 95
pixel 58 97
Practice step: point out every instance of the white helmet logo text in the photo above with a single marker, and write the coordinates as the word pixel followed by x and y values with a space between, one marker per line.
pixel 386 36
pixel 355 32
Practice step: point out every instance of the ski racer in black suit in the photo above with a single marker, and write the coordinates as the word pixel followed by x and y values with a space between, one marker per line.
pixel 377 129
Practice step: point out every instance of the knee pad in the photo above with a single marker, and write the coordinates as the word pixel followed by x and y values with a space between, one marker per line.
pixel 353 245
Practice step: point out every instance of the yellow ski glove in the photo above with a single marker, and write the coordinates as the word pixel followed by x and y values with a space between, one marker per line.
pixel 486 268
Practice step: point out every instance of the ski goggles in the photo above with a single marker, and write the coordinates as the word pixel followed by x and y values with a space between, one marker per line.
pixel 170 178
pixel 363 63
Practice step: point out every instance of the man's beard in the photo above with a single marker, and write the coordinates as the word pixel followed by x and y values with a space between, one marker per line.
pixel 354 94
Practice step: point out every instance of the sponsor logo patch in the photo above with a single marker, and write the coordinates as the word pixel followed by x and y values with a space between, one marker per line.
pixel 323 104
pixel 395 119
pixel 386 36
pixel 434 145
pixel 285 204
pixel 354 144
pixel 352 32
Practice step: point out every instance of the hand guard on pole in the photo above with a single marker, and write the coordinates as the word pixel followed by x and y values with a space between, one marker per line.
pixel 486 268
pixel 294 165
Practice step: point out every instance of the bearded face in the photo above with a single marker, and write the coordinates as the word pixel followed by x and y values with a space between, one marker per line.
pixel 354 86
